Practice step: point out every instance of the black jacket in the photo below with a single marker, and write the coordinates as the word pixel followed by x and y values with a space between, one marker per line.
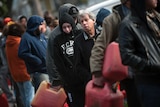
pixel 139 49
pixel 83 46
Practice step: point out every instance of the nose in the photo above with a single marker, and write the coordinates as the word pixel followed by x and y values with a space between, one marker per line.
pixel 67 30
pixel 84 22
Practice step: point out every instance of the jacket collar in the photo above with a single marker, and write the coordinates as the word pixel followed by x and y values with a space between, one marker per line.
pixel 86 36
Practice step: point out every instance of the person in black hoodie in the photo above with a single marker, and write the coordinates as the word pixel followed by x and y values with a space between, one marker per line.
pixel 54 76
pixel 63 57
pixel 139 42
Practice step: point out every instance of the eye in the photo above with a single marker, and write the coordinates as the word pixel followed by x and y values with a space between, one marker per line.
pixel 67 26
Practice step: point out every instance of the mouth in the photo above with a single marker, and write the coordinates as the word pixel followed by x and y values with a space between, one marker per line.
pixel 86 27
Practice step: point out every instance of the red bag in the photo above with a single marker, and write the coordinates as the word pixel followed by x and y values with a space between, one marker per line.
pixel 113 69
pixel 47 97
pixel 102 97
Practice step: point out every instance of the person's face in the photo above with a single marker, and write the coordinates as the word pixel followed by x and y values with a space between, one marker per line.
pixel 87 23
pixel 23 21
pixel 42 27
pixel 128 4
pixel 67 28
pixel 151 4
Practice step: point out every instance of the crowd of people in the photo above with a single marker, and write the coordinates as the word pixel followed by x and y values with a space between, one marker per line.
pixel 68 52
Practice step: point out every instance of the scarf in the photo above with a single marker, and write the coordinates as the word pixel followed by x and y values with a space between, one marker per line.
pixel 152 25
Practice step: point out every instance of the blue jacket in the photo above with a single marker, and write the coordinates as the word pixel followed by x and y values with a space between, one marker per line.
pixel 32 48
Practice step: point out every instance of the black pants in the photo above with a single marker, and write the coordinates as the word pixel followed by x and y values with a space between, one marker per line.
pixel 75 97
pixel 132 96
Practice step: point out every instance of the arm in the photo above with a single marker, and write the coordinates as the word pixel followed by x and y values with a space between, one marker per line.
pixel 24 52
pixel 54 76
pixel 109 33
pixel 59 61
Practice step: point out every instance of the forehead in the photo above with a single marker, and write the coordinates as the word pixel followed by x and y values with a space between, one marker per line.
pixel 23 19
pixel 66 24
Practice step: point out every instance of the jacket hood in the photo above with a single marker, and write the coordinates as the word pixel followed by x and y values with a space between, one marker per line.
pixel 68 8
pixel 12 40
pixel 67 19
pixel 114 9
pixel 33 23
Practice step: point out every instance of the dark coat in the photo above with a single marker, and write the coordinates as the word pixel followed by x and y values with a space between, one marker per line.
pixel 54 75
pixel 63 53
pixel 139 49
pixel 83 46
pixel 32 48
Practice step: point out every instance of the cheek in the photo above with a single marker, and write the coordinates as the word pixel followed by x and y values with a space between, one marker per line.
pixel 152 3
pixel 43 28
pixel 67 30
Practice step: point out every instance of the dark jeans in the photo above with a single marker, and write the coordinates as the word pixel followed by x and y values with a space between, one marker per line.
pixel 132 95
pixel 18 97
pixel 37 78
pixel 149 95
pixel 4 76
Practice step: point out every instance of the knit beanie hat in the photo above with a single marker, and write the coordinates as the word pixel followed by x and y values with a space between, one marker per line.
pixel 123 1
pixel 102 13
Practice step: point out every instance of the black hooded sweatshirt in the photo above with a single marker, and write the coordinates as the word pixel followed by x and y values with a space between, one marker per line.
pixel 54 75
pixel 63 51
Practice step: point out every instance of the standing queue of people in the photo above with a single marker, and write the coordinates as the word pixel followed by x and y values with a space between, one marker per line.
pixel 24 51
pixel 70 54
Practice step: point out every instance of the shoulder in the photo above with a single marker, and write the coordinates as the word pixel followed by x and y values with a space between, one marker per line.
pixel 126 23
pixel 80 36
pixel 26 36
pixel 130 20
pixel 78 32
pixel 58 37
pixel 113 18
pixel 54 33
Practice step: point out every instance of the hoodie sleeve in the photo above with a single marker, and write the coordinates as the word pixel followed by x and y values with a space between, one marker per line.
pixel 59 62
pixel 54 75
pixel 24 52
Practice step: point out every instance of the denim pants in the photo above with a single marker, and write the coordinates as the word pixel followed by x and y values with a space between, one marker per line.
pixel 26 91
pixel 37 78
pixel 4 75
pixel 149 95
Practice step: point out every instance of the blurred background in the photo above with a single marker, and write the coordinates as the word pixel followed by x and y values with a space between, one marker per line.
pixel 14 8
